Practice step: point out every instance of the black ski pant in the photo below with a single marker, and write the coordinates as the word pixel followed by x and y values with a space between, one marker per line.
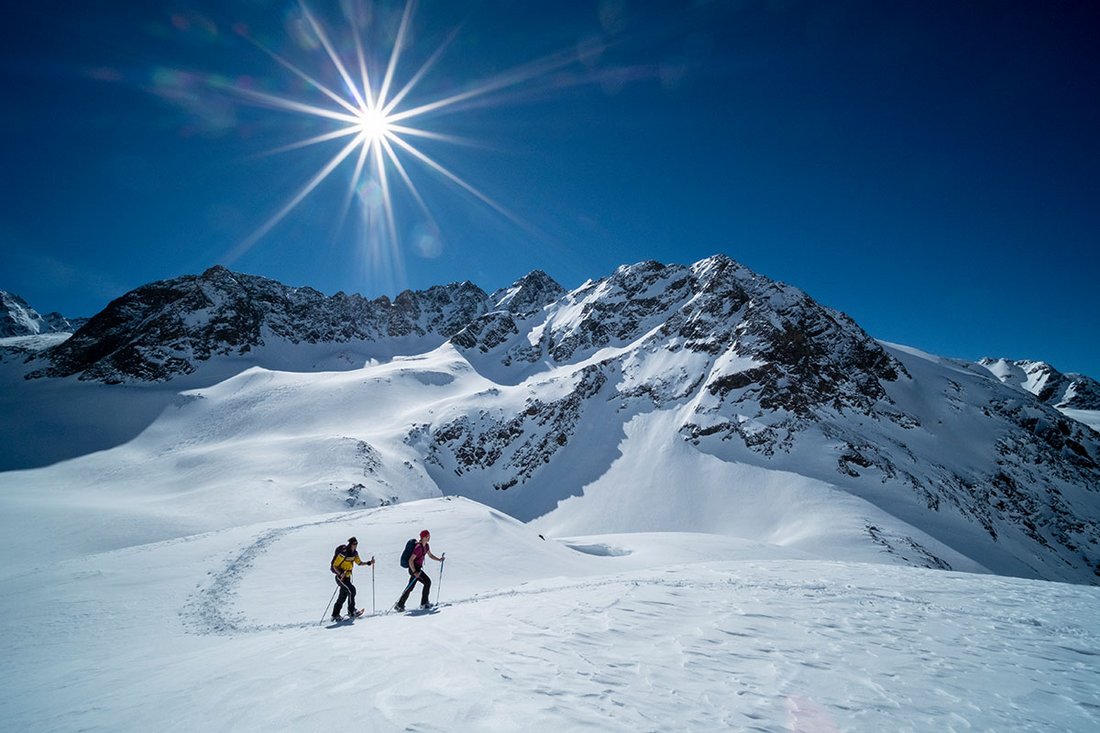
pixel 347 593
pixel 413 577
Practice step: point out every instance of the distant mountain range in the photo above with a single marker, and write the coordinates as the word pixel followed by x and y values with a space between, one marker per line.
pixel 726 364
pixel 1064 391
pixel 17 318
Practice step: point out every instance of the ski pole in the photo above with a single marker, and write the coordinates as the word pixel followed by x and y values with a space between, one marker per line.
pixel 439 588
pixel 373 609
pixel 327 607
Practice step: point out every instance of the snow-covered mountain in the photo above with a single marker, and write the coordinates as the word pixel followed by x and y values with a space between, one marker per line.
pixel 623 405
pixel 1064 391
pixel 18 318
pixel 170 328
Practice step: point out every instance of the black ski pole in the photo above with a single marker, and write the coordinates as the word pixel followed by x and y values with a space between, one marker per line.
pixel 373 608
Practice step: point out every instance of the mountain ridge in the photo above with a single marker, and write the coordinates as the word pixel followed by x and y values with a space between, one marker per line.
pixel 739 368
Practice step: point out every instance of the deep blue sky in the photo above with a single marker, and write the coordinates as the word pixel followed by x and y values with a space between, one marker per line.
pixel 930 168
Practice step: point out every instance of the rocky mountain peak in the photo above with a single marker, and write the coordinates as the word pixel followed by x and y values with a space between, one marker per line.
pixel 765 340
pixel 528 295
pixel 1052 387
pixel 216 273
pixel 18 318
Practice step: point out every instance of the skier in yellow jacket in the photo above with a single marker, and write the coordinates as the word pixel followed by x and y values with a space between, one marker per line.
pixel 345 558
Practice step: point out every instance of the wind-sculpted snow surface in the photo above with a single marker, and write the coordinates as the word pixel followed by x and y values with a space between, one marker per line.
pixel 226 631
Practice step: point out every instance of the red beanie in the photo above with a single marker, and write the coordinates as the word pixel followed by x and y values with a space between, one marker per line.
pixel 424 533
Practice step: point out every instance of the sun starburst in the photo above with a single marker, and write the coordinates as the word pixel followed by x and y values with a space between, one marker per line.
pixel 375 131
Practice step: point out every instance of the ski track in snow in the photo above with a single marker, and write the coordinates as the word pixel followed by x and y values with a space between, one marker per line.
pixel 211 610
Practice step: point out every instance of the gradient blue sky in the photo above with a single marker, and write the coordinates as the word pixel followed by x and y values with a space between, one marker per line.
pixel 930 168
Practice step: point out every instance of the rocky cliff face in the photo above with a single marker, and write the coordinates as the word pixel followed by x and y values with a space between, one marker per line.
pixel 731 342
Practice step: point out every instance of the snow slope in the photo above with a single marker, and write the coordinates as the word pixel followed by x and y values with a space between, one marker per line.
pixel 267 445
pixel 644 631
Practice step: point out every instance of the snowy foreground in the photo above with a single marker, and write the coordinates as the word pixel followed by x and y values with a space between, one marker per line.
pixel 638 632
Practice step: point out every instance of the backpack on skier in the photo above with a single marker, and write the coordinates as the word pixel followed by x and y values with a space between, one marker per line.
pixel 407 553
pixel 340 550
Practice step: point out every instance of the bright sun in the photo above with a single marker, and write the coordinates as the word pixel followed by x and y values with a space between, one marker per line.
pixel 374 125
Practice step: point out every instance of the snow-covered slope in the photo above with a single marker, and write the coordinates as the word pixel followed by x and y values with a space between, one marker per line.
pixel 227 632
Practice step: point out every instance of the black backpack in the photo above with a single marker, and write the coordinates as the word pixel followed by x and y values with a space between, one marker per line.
pixel 407 553
pixel 340 550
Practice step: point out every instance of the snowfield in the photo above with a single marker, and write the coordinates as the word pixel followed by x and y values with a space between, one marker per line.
pixel 647 631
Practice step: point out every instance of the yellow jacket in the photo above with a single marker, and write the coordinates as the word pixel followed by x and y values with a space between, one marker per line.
pixel 342 564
